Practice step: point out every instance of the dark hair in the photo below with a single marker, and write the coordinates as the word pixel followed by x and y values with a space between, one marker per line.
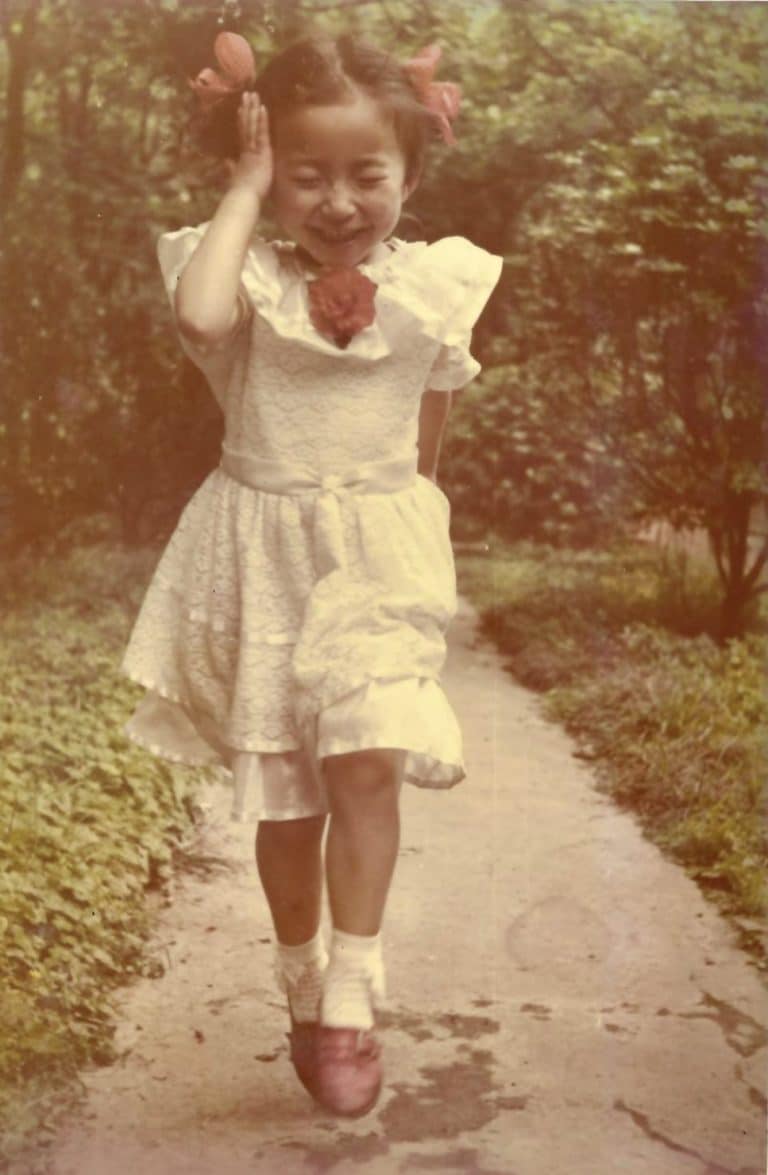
pixel 320 71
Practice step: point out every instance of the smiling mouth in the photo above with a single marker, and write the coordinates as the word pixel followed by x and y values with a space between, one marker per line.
pixel 337 238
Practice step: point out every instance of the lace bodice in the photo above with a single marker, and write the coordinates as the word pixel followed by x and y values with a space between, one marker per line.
pixel 290 393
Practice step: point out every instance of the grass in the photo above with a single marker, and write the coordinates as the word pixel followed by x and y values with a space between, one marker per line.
pixel 618 643
pixel 90 826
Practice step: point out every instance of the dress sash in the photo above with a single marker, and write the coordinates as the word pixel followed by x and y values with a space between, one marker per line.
pixel 284 477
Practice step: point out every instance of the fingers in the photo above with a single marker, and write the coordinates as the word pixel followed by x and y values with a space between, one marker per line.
pixel 263 128
pixel 253 122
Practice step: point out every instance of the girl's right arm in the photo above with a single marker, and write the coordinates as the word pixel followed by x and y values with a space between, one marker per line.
pixel 206 302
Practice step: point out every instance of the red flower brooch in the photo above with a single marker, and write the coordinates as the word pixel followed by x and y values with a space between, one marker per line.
pixel 341 303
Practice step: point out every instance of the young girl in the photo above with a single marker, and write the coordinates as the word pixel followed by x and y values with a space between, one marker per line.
pixel 294 628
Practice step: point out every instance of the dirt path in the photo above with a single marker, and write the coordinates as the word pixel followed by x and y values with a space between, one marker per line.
pixel 562 1000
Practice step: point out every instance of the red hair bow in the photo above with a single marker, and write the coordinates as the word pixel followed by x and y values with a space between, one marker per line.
pixel 440 98
pixel 237 69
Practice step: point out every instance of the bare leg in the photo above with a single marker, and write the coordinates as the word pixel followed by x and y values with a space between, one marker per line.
pixel 290 864
pixel 363 837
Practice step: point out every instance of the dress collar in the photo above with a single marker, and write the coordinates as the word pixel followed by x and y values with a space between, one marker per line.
pixel 434 290
pixel 295 258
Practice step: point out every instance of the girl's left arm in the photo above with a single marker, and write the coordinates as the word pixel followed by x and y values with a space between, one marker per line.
pixel 433 414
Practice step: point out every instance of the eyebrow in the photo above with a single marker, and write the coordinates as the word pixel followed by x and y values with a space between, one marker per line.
pixel 364 161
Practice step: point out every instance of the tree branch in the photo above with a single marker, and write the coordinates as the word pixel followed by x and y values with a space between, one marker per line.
pixel 592 93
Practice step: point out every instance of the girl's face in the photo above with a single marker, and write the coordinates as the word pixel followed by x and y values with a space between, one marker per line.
pixel 339 180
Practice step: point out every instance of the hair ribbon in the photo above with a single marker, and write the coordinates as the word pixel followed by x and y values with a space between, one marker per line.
pixel 440 98
pixel 237 70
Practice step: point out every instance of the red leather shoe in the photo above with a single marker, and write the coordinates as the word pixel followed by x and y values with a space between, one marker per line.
pixel 348 1070
pixel 303 1053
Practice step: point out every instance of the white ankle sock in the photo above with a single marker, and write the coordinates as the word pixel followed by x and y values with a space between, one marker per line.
pixel 354 982
pixel 299 972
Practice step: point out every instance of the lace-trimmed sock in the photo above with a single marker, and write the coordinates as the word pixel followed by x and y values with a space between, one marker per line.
pixel 354 982
pixel 299 972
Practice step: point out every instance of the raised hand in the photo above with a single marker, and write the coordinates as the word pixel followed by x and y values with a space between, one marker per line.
pixel 254 168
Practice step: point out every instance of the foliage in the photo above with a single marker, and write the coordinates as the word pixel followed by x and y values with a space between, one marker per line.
pixel 632 354
pixel 89 822
pixel 612 152
pixel 674 724
pixel 98 412
pixel 498 452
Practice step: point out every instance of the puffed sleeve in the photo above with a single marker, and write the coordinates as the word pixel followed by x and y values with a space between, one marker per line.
pixel 467 275
pixel 174 250
pixel 463 277
pixel 454 367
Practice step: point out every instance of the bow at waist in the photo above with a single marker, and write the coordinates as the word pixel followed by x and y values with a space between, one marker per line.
pixel 326 490
pixel 285 477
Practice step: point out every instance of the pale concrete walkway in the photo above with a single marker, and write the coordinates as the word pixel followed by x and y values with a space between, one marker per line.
pixel 562 1000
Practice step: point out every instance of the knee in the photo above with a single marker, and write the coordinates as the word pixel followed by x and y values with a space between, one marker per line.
pixel 371 774
pixel 290 836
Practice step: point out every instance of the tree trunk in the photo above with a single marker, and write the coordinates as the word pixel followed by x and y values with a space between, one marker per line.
pixel 730 547
pixel 733 611
pixel 19 42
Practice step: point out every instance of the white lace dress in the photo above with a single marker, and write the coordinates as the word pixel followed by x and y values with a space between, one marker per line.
pixel 299 608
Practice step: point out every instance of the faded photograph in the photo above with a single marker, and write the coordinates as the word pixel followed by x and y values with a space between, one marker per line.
pixel 383 632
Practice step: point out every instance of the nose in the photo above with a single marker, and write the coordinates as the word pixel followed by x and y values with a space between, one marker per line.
pixel 338 203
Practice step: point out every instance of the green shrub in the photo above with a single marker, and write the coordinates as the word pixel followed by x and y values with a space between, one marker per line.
pixel 501 468
pixel 89 820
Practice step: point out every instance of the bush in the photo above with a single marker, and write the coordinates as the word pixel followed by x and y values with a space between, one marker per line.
pixel 502 470
pixel 89 821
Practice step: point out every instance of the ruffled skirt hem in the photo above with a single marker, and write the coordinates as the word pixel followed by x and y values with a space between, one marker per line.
pixel 273 781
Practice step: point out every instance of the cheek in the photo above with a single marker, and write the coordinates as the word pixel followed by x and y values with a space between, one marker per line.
pixel 386 198
pixel 287 202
